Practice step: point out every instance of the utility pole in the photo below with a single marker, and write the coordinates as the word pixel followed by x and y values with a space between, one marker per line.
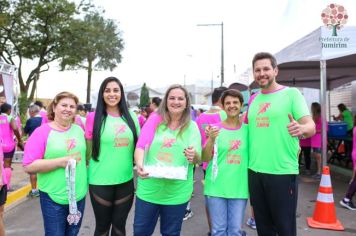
pixel 222 49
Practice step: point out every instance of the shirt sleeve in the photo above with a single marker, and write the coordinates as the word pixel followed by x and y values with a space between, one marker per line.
pixel 245 118
pixel 89 125
pixel 148 130
pixel 35 147
pixel 299 105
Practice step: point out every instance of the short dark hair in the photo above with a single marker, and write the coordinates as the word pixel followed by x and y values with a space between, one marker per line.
pixel 156 101
pixel 38 103
pixel 341 107
pixel 215 96
pixel 5 107
pixel 264 55
pixel 81 107
pixel 233 93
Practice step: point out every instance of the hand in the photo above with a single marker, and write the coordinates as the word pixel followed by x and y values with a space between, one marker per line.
pixel 64 160
pixel 141 172
pixel 213 132
pixel 189 154
pixel 294 128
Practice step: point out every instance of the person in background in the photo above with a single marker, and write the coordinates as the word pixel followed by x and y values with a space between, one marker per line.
pixel 227 202
pixel 43 112
pixel 8 129
pixel 80 118
pixel 56 152
pixel 3 192
pixel 154 104
pixel 172 137
pixel 141 118
pixel 199 111
pixel 315 140
pixel 345 115
pixel 214 115
pixel 111 132
pixel 305 150
pixel 346 202
pixel 33 123
pixel 274 126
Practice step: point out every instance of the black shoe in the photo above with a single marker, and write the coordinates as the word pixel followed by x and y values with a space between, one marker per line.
pixel 349 205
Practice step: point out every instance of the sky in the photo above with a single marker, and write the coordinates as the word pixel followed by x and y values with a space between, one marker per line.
pixel 164 45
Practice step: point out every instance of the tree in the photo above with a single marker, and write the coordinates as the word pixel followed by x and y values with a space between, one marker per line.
pixel 145 96
pixel 92 43
pixel 32 30
pixel 334 16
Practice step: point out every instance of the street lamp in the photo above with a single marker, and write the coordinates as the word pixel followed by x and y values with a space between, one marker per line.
pixel 222 49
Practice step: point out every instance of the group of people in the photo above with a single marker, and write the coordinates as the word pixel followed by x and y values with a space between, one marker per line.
pixel 253 156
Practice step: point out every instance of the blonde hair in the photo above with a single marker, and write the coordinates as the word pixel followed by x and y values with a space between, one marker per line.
pixel 55 101
pixel 163 109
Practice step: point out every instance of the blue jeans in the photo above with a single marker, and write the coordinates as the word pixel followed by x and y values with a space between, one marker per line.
pixel 55 217
pixel 146 216
pixel 226 215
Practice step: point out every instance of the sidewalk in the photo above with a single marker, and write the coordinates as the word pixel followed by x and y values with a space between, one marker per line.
pixel 20 183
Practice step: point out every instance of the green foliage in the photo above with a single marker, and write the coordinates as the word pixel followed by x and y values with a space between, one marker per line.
pixel 33 30
pixel 92 43
pixel 145 96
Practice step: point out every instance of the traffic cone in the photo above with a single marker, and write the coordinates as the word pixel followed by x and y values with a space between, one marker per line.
pixel 324 213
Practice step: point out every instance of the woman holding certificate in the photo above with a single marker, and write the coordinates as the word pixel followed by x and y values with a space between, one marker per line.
pixel 167 149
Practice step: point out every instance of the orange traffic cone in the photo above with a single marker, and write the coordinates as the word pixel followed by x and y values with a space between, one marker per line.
pixel 324 213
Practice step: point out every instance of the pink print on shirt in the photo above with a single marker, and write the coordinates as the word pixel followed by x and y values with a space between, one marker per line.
pixel 234 145
pixel 119 129
pixel 263 122
pixel 264 107
pixel 71 144
pixel 168 142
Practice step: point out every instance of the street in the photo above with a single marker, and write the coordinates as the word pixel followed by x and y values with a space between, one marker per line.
pixel 26 218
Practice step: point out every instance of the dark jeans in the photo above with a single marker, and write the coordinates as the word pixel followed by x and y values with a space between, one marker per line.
pixel 274 201
pixel 146 216
pixel 55 217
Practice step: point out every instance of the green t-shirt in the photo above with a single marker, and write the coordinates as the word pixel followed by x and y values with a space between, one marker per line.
pixel 272 149
pixel 168 147
pixel 60 144
pixel 115 165
pixel 347 117
pixel 232 180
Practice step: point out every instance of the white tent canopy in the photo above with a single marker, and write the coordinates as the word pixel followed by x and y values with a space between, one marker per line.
pixel 320 60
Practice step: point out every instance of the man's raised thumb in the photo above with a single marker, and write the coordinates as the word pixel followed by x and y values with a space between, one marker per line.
pixel 291 119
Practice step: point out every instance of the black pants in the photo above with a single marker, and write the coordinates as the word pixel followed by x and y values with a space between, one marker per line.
pixel 274 201
pixel 111 205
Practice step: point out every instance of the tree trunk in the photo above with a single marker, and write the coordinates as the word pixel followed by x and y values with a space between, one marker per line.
pixel 90 69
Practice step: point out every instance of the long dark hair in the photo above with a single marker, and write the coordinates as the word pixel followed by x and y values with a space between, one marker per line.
pixel 101 114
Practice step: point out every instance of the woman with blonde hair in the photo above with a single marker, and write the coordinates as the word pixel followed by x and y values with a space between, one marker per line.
pixel 169 138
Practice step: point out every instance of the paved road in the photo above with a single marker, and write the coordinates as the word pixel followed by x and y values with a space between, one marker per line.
pixel 26 218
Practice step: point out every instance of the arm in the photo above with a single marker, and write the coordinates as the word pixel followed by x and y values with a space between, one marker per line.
pixel 304 127
pixel 89 150
pixel 139 155
pixel 46 165
pixel 212 133
pixel 16 132
pixel 208 150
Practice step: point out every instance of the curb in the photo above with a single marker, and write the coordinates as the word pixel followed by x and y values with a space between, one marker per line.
pixel 15 197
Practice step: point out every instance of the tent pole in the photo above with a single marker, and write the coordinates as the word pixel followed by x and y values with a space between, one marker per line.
pixel 323 111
